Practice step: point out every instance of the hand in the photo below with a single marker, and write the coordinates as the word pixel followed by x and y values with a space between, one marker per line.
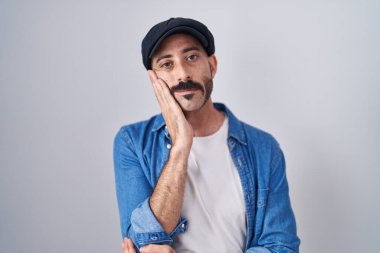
pixel 128 247
pixel 155 248
pixel 179 128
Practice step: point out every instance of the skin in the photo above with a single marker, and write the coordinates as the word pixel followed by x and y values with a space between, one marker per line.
pixel 187 113
pixel 127 247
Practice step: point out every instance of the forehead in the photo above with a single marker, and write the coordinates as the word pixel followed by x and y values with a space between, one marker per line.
pixel 177 42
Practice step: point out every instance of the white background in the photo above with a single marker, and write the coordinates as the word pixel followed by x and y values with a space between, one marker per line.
pixel 71 75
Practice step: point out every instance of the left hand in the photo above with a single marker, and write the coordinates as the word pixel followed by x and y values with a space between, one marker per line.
pixel 128 247
pixel 156 248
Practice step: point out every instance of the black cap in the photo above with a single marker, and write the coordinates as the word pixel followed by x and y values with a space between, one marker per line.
pixel 162 30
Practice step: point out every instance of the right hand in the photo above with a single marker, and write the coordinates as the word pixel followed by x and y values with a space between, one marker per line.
pixel 179 128
pixel 128 247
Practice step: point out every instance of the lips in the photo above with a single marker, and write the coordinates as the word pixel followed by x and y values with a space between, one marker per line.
pixel 186 91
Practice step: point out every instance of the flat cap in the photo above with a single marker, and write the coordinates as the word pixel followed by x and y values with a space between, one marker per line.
pixel 159 32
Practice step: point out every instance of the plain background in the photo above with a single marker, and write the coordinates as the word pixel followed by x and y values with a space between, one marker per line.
pixel 71 75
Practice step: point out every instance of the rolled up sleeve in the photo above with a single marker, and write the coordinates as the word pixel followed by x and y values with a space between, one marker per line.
pixel 258 250
pixel 148 230
pixel 133 193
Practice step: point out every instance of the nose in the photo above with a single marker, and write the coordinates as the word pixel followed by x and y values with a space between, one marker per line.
pixel 182 73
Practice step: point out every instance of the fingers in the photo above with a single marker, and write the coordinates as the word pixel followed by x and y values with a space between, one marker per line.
pixel 160 87
pixel 178 127
pixel 156 85
pixel 152 76
pixel 155 248
pixel 131 247
pixel 124 245
pixel 165 99
pixel 127 246
pixel 155 80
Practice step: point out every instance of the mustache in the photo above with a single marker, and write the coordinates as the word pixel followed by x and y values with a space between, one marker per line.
pixel 189 85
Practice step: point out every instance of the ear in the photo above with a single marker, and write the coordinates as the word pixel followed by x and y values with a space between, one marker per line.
pixel 213 64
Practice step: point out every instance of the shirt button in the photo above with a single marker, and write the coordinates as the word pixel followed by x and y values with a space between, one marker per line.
pixel 154 238
pixel 168 146
pixel 183 227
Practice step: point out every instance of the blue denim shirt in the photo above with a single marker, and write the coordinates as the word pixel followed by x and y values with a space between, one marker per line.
pixel 141 151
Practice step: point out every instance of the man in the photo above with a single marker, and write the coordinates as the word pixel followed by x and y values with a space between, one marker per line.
pixel 195 178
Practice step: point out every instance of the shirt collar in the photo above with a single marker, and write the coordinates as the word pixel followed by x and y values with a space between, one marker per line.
pixel 235 126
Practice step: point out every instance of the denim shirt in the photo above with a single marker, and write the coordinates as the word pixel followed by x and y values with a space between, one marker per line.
pixel 141 151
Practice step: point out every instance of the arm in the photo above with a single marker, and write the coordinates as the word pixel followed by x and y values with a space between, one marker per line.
pixel 133 194
pixel 167 197
pixel 166 200
pixel 148 217
pixel 279 233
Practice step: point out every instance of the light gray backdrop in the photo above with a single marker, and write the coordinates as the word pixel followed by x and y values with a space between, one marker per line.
pixel 71 75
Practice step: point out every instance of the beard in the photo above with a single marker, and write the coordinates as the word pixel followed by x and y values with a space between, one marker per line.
pixel 209 85
pixel 205 88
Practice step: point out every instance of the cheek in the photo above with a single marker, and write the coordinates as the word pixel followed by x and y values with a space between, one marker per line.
pixel 206 77
pixel 160 74
pixel 164 76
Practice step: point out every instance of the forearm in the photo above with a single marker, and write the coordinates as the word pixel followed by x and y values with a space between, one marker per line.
pixel 167 197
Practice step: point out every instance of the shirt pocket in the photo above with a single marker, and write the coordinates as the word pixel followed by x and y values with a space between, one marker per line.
pixel 261 203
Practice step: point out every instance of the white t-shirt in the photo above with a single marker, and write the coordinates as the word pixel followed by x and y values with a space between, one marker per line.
pixel 213 200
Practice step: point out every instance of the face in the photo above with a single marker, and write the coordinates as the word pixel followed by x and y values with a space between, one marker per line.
pixel 184 65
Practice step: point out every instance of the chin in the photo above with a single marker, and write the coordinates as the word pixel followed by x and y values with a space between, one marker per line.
pixel 189 106
pixel 192 105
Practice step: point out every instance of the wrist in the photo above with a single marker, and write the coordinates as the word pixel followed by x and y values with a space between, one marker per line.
pixel 180 151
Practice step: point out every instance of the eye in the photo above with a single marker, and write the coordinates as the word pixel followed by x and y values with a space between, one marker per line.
pixel 166 65
pixel 192 57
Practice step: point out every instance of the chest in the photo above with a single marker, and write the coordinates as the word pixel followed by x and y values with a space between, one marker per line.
pixel 213 185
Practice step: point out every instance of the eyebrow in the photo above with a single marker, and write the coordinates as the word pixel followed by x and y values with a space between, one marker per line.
pixel 183 51
pixel 163 57
pixel 190 49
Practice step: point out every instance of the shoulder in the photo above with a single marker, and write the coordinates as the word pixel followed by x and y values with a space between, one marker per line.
pixel 258 136
pixel 262 143
pixel 254 137
pixel 136 131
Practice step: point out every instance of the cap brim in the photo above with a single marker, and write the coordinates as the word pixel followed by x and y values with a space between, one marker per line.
pixel 185 29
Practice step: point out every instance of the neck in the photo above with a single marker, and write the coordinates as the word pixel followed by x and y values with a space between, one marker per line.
pixel 205 121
